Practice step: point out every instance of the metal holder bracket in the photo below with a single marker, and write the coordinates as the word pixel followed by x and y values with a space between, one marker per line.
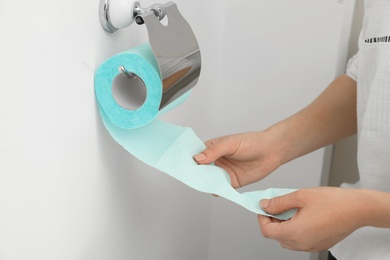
pixel 174 45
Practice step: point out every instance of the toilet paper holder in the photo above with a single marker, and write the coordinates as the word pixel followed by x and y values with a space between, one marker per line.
pixel 174 45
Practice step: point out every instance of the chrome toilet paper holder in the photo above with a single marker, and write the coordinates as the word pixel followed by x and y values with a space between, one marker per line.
pixel 174 45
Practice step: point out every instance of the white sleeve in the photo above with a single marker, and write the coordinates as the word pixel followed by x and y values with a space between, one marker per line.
pixel 352 67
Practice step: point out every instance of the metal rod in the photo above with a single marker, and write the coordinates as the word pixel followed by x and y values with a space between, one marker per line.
pixel 125 73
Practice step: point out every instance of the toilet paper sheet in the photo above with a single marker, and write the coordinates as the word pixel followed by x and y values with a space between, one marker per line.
pixel 166 147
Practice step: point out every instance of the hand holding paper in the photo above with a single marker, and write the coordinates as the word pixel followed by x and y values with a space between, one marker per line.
pixel 325 216
pixel 246 157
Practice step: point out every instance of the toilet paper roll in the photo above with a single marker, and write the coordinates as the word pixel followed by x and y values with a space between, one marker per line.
pixel 140 61
pixel 166 147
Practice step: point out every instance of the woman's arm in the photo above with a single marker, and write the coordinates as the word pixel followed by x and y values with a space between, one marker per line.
pixel 328 119
pixel 249 157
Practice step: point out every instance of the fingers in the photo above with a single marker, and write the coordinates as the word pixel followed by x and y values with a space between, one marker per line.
pixel 281 204
pixel 270 228
pixel 281 231
pixel 215 149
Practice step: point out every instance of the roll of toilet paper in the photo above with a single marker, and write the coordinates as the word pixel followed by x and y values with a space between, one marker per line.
pixel 140 61
pixel 166 147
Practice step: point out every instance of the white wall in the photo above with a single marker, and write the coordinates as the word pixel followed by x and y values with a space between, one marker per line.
pixel 68 191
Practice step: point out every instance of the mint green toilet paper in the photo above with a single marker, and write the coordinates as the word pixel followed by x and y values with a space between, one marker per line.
pixel 141 61
pixel 166 147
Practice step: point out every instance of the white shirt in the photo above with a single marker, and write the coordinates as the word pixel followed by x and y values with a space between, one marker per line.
pixel 371 69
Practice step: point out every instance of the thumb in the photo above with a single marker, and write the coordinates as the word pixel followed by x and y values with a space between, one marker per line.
pixel 216 148
pixel 281 204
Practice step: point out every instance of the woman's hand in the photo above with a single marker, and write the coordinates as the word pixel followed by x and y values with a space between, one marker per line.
pixel 246 157
pixel 249 157
pixel 325 216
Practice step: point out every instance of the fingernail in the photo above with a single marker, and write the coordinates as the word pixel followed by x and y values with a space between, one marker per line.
pixel 264 203
pixel 200 157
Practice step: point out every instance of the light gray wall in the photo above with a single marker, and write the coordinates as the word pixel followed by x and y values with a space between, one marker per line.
pixel 68 191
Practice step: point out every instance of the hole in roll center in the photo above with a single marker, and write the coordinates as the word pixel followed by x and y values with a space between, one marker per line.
pixel 129 90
